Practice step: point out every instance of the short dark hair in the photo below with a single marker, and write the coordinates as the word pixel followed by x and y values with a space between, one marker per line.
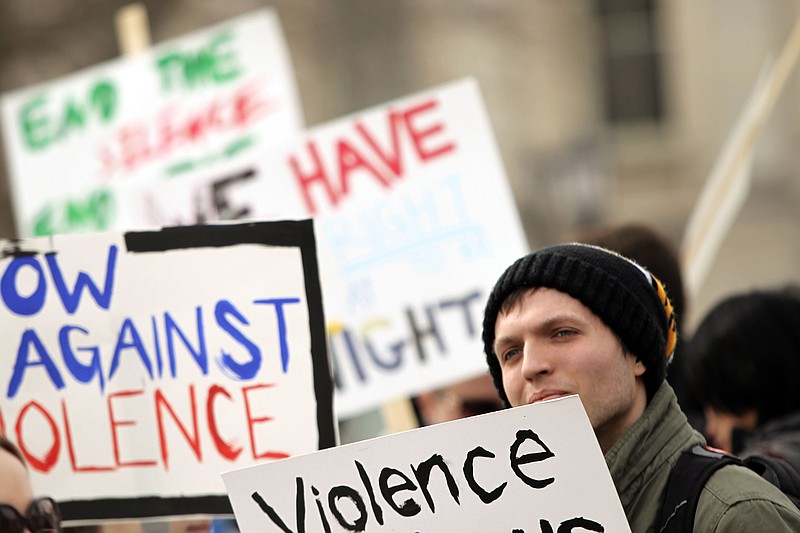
pixel 12 448
pixel 745 354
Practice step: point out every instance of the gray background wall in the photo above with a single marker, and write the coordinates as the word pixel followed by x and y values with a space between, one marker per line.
pixel 544 69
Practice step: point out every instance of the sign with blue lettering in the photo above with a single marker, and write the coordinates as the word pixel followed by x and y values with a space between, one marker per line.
pixel 531 469
pixel 137 366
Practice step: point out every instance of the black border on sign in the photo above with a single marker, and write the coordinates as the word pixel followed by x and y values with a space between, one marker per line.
pixel 296 234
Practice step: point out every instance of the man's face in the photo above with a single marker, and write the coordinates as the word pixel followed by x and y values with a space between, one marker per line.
pixel 551 345
pixel 720 427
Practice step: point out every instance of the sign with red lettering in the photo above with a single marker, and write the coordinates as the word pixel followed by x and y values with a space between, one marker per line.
pixel 182 105
pixel 531 469
pixel 415 222
pixel 137 366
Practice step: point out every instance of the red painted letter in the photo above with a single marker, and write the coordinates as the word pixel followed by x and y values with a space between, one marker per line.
pixel 316 175
pixel 393 158
pixel 194 442
pixel 251 422
pixel 115 423
pixel 71 447
pixel 350 160
pixel 50 458
pixel 224 448
pixel 418 137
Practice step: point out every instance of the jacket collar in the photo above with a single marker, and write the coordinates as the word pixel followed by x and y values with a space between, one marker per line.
pixel 652 443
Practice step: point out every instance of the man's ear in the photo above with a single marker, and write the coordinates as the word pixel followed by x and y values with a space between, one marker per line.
pixel 638 368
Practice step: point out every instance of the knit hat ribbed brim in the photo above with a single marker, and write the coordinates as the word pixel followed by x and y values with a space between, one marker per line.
pixel 626 297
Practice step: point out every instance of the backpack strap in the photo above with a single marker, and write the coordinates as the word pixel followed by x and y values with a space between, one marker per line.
pixel 686 481
pixel 778 472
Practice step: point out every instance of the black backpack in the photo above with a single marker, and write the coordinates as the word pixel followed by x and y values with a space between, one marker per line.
pixel 695 467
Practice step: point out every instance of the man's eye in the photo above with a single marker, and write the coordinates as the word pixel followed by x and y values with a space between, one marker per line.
pixel 565 333
pixel 509 354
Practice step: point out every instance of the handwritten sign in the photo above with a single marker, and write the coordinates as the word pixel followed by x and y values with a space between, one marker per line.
pixel 178 107
pixel 415 222
pixel 531 469
pixel 137 366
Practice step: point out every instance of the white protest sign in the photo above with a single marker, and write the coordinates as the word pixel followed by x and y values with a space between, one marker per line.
pixel 415 223
pixel 531 469
pixel 137 366
pixel 179 106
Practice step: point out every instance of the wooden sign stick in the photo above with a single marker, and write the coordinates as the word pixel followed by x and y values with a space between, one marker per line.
pixel 399 415
pixel 727 186
pixel 133 29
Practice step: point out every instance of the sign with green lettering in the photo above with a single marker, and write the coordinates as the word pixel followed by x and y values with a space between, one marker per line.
pixel 179 106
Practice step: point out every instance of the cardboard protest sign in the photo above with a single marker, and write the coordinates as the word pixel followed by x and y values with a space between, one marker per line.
pixel 179 106
pixel 137 366
pixel 531 469
pixel 415 222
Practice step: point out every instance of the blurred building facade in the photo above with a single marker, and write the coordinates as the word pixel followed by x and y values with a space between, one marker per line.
pixel 603 110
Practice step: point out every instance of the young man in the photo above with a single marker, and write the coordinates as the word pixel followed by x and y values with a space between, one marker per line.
pixel 579 319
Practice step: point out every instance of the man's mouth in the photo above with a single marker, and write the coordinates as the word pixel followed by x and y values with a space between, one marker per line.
pixel 546 395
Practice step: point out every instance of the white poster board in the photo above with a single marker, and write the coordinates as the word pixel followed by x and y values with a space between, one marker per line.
pixel 137 366
pixel 536 468
pixel 415 222
pixel 178 107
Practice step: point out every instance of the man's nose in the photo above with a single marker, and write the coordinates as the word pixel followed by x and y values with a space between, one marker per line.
pixel 536 362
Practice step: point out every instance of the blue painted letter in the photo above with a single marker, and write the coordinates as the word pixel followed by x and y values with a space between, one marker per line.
pixel 81 372
pixel 246 370
pixel 72 299
pixel 278 303
pixel 30 338
pixel 16 303
pixel 134 342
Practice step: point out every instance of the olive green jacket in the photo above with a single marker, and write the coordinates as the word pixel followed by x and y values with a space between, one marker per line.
pixel 735 499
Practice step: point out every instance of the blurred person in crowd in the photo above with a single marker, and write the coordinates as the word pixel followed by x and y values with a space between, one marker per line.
pixel 224 525
pixel 181 525
pixel 204 525
pixel 471 397
pixel 744 369
pixel 654 251
pixel 581 319
pixel 20 512
pixel 193 525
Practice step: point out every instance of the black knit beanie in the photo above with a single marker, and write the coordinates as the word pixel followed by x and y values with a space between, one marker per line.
pixel 627 298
